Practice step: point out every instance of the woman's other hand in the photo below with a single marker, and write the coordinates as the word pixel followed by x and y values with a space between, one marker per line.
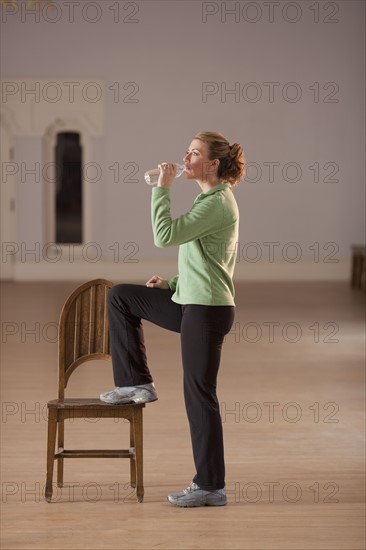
pixel 167 174
pixel 157 282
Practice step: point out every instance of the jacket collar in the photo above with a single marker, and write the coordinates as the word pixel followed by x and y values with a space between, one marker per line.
pixel 219 187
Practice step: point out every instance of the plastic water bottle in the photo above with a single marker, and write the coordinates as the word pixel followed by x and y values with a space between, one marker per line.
pixel 152 176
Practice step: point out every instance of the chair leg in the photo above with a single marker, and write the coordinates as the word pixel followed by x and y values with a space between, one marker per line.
pixel 60 461
pixel 139 454
pixel 51 442
pixel 132 460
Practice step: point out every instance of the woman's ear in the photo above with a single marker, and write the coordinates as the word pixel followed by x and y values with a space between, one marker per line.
pixel 212 167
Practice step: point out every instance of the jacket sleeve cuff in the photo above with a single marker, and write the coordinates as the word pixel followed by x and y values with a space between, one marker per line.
pixel 172 283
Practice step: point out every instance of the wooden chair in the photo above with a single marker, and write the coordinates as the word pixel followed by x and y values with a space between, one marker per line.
pixel 84 336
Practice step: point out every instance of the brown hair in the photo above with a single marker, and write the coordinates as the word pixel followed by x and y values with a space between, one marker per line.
pixel 231 157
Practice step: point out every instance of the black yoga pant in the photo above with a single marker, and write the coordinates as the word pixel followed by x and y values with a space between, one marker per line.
pixel 202 329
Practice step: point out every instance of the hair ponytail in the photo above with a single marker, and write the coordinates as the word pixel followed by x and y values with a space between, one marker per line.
pixel 231 157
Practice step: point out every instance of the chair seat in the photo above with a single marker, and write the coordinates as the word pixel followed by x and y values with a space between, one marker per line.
pixel 82 403
pixel 92 408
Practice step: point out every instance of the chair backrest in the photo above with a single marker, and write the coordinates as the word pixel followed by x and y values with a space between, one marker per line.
pixel 83 329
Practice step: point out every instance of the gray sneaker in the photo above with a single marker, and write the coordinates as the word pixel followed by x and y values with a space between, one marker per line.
pixel 145 393
pixel 194 496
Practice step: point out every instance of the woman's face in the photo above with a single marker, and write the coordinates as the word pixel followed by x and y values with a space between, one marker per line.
pixel 198 165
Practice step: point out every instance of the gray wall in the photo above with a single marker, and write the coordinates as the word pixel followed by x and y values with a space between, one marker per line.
pixel 169 52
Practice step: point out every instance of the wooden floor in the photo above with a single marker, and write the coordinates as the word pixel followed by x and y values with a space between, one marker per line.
pixel 291 390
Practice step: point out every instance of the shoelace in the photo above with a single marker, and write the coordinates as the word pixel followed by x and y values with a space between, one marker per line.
pixel 193 487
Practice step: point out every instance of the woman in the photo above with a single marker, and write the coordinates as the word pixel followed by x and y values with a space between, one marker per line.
pixel 198 303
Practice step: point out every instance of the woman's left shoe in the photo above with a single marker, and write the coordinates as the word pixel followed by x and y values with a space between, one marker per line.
pixel 146 393
pixel 194 496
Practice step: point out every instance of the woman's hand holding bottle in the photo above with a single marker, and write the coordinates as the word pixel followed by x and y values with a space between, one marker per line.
pixel 165 174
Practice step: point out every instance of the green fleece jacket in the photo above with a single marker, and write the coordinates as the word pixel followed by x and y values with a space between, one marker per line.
pixel 207 236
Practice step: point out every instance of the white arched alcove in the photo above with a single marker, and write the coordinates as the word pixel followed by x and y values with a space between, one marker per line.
pixel 73 124
pixel 29 111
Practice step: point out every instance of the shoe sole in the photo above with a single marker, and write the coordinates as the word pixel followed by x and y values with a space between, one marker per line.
pixel 194 505
pixel 129 401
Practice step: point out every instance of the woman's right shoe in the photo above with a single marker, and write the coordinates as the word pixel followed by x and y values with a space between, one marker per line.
pixel 194 496
pixel 145 393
